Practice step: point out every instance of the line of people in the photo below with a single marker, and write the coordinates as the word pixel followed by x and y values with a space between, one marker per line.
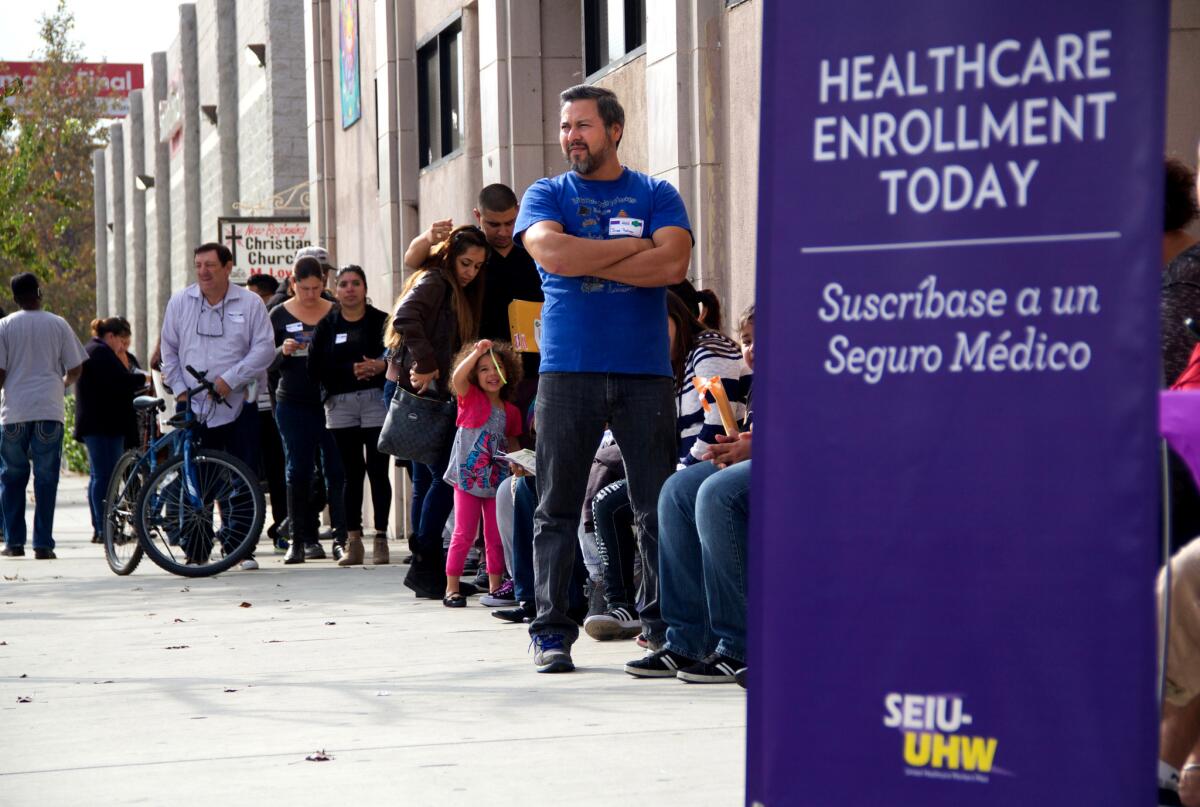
pixel 623 342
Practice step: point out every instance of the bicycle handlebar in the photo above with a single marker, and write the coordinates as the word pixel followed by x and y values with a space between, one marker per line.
pixel 205 384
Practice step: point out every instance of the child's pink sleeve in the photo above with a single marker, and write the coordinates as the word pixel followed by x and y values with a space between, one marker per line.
pixel 473 408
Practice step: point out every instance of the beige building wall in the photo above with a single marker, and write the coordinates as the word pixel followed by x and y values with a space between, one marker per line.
pixel 1183 84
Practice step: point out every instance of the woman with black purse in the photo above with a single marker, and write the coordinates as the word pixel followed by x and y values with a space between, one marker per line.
pixel 437 313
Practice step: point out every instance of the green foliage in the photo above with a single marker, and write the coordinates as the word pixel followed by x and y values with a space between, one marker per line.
pixel 47 137
pixel 74 451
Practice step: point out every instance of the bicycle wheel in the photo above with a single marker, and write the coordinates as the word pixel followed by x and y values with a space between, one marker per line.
pixel 122 548
pixel 200 519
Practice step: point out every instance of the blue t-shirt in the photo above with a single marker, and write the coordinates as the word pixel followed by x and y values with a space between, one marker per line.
pixel 590 325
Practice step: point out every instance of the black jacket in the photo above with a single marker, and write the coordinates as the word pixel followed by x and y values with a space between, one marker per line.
pixel 104 394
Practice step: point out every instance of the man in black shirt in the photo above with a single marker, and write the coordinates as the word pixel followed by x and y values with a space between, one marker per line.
pixel 510 275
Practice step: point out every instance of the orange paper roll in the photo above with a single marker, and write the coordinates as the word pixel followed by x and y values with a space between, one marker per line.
pixel 714 387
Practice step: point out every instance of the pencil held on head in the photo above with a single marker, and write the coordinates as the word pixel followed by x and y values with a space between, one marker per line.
pixel 496 364
pixel 713 386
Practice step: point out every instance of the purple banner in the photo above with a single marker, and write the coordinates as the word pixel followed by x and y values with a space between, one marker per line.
pixel 956 482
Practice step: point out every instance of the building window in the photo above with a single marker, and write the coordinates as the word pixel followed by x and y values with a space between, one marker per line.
pixel 441 130
pixel 611 29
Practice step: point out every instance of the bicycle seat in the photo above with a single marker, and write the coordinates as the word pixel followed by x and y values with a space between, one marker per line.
pixel 143 402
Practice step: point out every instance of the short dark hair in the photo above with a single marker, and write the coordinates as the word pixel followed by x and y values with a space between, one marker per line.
pixel 25 286
pixel 607 104
pixel 265 282
pixel 223 253
pixel 1181 208
pixel 497 198
pixel 306 268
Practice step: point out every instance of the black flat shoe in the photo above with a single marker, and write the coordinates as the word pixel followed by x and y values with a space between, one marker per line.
pixel 454 600
pixel 295 554
pixel 13 552
pixel 44 554
pixel 314 552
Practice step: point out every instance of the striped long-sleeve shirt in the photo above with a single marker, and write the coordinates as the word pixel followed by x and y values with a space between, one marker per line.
pixel 713 355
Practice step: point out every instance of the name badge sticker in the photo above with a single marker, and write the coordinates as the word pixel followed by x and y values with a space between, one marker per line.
pixel 340 339
pixel 622 226
pixel 294 327
pixel 237 316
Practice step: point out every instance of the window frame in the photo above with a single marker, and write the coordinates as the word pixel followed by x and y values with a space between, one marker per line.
pixel 595 67
pixel 434 50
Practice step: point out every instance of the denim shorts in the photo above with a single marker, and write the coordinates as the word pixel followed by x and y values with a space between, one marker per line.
pixel 362 409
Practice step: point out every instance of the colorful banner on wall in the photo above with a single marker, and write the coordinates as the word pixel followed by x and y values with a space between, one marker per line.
pixel 351 83
pixel 955 484
pixel 264 245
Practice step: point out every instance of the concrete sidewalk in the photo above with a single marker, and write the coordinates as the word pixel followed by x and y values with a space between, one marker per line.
pixel 154 689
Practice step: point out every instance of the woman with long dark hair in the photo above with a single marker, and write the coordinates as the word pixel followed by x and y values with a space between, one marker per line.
pixel 104 415
pixel 437 313
pixel 301 416
pixel 346 361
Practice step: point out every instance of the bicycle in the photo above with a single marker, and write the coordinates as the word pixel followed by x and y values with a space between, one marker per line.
pixel 122 549
pixel 185 505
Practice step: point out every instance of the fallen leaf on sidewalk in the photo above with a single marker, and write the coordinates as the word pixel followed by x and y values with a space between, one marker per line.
pixel 283 601
pixel 273 641
pixel 318 756
pixel 178 620
pixel 2 644
pixel 246 605
pixel 24 699
pixel 23 675
pixel 231 690
pixel 178 647
pixel 330 623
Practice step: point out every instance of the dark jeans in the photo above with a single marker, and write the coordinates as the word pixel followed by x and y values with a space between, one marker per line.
pixel 524 506
pixel 38 442
pixel 304 435
pixel 239 438
pixel 271 447
pixel 361 457
pixel 704 517
pixel 572 412
pixel 432 502
pixel 103 452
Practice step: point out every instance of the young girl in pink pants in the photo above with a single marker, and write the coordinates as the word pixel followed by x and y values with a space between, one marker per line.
pixel 483 377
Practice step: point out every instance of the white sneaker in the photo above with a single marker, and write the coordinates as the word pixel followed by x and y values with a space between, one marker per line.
pixel 249 565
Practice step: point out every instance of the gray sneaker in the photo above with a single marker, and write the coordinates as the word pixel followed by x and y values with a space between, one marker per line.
pixel 551 654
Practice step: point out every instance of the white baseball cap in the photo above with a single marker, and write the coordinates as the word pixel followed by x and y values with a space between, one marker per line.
pixel 314 252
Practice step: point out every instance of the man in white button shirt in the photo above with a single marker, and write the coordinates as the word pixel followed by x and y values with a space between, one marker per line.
pixel 223 330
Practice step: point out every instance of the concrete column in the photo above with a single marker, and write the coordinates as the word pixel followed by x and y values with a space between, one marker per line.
pixel 562 67
pixel 100 205
pixel 320 39
pixel 228 59
pixel 162 195
pixel 116 189
pixel 191 126
pixel 136 287
pixel 494 114
pixel 387 146
pixel 683 87
pixel 526 110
